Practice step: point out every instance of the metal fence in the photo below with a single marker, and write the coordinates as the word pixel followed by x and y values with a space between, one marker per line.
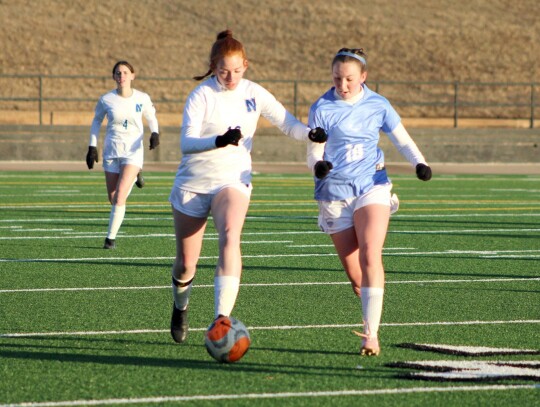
pixel 431 99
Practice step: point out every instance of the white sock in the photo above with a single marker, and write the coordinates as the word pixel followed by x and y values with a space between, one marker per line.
pixel 225 293
pixel 372 304
pixel 181 290
pixel 115 220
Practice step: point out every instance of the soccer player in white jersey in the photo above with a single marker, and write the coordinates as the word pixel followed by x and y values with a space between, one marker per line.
pixel 214 175
pixel 123 148
pixel 351 185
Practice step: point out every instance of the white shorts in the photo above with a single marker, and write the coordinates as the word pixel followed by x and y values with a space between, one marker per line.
pixel 336 216
pixel 114 164
pixel 199 205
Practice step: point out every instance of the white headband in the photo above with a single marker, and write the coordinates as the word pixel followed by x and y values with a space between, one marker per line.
pixel 352 54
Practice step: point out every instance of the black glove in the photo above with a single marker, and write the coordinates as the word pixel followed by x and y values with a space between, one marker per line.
pixel 322 168
pixel 231 136
pixel 91 157
pixel 154 140
pixel 318 135
pixel 423 172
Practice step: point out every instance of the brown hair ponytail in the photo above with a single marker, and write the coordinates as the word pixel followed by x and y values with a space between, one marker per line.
pixel 224 45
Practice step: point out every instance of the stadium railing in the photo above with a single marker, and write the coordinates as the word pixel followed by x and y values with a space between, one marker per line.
pixel 43 96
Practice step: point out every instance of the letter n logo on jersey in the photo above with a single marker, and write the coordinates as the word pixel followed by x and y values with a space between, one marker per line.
pixel 138 107
pixel 251 105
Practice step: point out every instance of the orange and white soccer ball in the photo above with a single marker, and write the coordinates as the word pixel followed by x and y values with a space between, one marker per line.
pixel 227 340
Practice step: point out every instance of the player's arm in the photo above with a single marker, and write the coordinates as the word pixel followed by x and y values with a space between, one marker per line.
pixel 275 113
pixel 315 152
pixel 408 149
pixel 92 154
pixel 191 141
pixel 316 162
pixel 149 113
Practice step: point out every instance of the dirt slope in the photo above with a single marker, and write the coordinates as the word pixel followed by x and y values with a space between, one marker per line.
pixel 465 40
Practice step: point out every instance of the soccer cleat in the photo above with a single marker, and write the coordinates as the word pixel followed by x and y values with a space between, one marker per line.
pixel 109 244
pixel 370 347
pixel 370 344
pixel 140 180
pixel 394 204
pixel 179 324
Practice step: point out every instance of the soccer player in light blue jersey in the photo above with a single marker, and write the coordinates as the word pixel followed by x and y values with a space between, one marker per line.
pixel 351 185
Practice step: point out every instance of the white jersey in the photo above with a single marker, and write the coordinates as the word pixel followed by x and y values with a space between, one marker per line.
pixel 210 110
pixel 125 130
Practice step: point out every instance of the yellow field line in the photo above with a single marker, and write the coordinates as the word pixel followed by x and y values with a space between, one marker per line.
pixel 535 208
pixel 106 210
pixel 285 201
pixel 52 183
pixel 404 210
pixel 472 201
pixel 79 203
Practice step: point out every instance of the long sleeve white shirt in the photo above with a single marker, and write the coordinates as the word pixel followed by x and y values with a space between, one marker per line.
pixel 210 110
pixel 125 129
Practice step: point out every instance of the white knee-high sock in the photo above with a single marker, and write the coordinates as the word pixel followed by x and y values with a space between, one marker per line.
pixel 115 220
pixel 181 290
pixel 225 293
pixel 372 304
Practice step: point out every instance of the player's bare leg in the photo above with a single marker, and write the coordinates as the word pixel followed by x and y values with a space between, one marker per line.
pixel 189 233
pixel 118 188
pixel 371 225
pixel 229 209
pixel 349 255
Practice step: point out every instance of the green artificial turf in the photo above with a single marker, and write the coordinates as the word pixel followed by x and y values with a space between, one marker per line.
pixel 83 325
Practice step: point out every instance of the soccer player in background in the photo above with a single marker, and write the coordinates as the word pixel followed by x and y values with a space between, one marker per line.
pixel 351 185
pixel 123 148
pixel 214 175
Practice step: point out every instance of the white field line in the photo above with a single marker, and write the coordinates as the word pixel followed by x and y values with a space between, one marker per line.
pixel 311 283
pixel 169 218
pixel 44 194
pixel 400 178
pixel 409 232
pixel 89 177
pixel 471 205
pixel 150 235
pixel 526 254
pixel 285 395
pixel 535 256
pixel 446 231
pixel 85 220
pixel 331 245
pixel 467 215
pixel 41 230
pixel 62 192
pixel 89 205
pixel 533 191
pixel 267 328
pixel 292 177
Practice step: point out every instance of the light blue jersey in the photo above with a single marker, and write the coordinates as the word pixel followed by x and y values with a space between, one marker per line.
pixel 353 136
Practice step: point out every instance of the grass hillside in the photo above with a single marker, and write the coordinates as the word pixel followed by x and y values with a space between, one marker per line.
pixel 411 40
